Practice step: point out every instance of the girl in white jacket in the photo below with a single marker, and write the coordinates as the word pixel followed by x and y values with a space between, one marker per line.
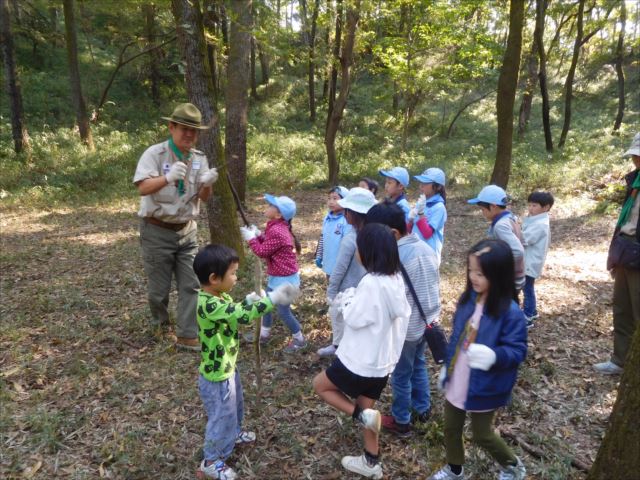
pixel 376 316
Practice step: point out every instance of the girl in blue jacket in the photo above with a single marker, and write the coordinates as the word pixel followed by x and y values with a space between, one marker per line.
pixel 488 342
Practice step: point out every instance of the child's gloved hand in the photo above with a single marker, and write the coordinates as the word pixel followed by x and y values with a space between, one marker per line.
pixel 254 297
pixel 318 262
pixel 255 230
pixel 247 233
pixel 480 356
pixel 441 377
pixel 177 172
pixel 421 204
pixel 284 294
pixel 209 177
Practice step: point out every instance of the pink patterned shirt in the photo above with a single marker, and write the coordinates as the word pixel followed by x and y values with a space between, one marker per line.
pixel 276 246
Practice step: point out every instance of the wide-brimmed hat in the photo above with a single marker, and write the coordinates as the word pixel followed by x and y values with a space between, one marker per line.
pixel 358 199
pixel 399 174
pixel 187 114
pixel 285 205
pixel 491 194
pixel 634 149
pixel 431 175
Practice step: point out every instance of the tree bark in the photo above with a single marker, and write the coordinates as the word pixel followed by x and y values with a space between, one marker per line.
pixel 335 116
pixel 333 77
pixel 541 7
pixel 507 84
pixel 264 65
pixel 532 81
pixel 223 221
pixel 211 21
pixel 312 65
pixel 149 11
pixel 568 84
pixel 74 74
pixel 252 76
pixel 619 71
pixel 618 454
pixel 18 129
pixel 237 102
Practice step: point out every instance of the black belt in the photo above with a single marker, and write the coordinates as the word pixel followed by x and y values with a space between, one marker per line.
pixel 171 226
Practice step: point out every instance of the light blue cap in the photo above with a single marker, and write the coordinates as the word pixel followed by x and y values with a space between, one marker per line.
pixel 340 190
pixel 359 200
pixel 286 206
pixel 397 173
pixel 491 194
pixel 431 175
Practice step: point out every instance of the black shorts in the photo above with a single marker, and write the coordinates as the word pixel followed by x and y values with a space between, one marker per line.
pixel 354 385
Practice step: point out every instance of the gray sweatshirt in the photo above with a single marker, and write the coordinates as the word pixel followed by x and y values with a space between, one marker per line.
pixel 347 271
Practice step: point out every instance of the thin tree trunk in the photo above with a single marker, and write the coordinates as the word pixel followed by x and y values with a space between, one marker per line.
pixel 252 75
pixel 74 75
pixel 211 22
pixel 335 61
pixel 264 65
pixel 464 107
pixel 532 81
pixel 18 129
pixel 618 453
pixel 237 102
pixel 223 221
pixel 568 84
pixel 507 85
pixel 327 70
pixel 312 65
pixel 149 11
pixel 619 71
pixel 541 7
pixel 334 118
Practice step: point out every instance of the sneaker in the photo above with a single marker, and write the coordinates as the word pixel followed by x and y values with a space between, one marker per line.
pixel 445 473
pixel 327 351
pixel 360 465
pixel 192 344
pixel 513 472
pixel 402 430
pixel 217 470
pixel 295 345
pixel 264 339
pixel 371 419
pixel 421 417
pixel 530 323
pixel 608 368
pixel 245 437
pixel 530 320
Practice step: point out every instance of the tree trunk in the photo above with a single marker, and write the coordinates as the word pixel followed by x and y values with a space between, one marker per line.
pixel 312 65
pixel 211 22
pixel 18 130
pixel 568 84
pixel 507 84
pixel 335 116
pixel 335 61
pixel 264 65
pixel 74 73
pixel 619 71
pixel 252 75
pixel 223 221
pixel 149 11
pixel 237 102
pixel 618 453
pixel 541 7
pixel 532 81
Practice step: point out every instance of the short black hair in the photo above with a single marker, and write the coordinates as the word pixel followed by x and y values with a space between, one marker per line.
pixel 388 213
pixel 214 259
pixel 378 249
pixel 543 198
pixel 355 219
pixel 497 264
pixel 371 184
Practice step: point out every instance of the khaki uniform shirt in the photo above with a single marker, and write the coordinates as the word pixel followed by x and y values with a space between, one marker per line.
pixel 166 204
pixel 630 227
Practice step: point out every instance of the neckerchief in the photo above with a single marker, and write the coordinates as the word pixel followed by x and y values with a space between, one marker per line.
pixel 628 204
pixel 183 158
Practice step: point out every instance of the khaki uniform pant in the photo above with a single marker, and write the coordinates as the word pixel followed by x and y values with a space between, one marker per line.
pixel 166 253
pixel 626 311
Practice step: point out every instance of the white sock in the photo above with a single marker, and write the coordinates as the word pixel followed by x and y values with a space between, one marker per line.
pixel 298 336
pixel 265 331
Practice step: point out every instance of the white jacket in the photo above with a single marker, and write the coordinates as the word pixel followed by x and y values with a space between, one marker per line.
pixel 376 320
pixel 536 236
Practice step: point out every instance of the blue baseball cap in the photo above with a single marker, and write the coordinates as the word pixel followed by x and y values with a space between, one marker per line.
pixel 286 206
pixel 491 194
pixel 340 190
pixel 359 200
pixel 397 173
pixel 431 175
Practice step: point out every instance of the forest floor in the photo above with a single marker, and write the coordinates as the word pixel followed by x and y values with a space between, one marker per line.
pixel 86 392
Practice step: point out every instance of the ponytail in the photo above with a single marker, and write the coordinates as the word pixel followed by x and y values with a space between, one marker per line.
pixel 442 191
pixel 296 242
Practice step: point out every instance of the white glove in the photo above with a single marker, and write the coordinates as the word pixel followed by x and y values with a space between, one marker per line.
pixel 412 214
pixel 177 172
pixel 255 230
pixel 480 356
pixel 254 297
pixel 284 294
pixel 442 377
pixel 209 177
pixel 420 205
pixel 247 234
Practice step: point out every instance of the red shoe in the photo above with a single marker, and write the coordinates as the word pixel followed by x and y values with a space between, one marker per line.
pixel 399 429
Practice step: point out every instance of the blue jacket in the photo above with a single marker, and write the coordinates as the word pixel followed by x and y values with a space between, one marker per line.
pixel 334 228
pixel 436 215
pixel 507 337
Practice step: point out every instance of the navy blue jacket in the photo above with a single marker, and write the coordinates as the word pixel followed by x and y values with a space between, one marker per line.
pixel 505 335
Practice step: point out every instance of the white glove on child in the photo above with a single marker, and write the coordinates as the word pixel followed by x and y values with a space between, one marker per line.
pixel 441 378
pixel 254 297
pixel 480 356
pixel 419 208
pixel 255 230
pixel 209 177
pixel 247 233
pixel 284 294
pixel 177 172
